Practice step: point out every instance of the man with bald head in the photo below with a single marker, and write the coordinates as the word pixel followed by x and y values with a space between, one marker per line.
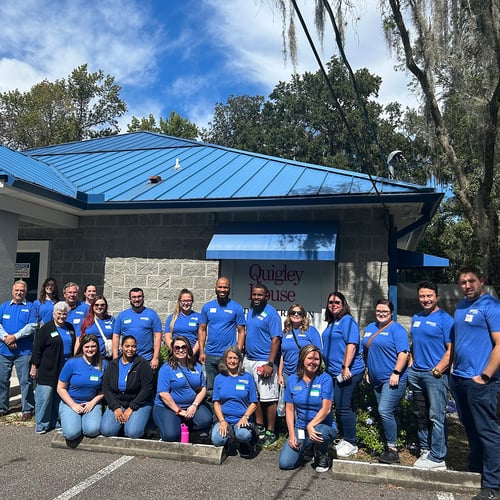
pixel 222 324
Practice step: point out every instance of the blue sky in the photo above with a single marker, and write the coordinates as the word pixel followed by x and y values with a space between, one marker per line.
pixel 176 55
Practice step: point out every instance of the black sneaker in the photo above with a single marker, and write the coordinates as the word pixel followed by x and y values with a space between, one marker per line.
pixel 308 454
pixel 323 463
pixel 487 494
pixel 269 439
pixel 261 431
pixel 246 450
pixel 389 457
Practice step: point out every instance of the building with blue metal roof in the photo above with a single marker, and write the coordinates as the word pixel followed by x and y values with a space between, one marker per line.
pixel 163 213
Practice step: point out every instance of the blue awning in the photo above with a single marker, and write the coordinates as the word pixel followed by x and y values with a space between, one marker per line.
pixel 414 259
pixel 275 241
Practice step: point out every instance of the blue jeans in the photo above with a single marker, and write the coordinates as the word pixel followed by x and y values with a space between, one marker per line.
pixel 74 424
pixel 135 426
pixel 211 371
pixel 170 424
pixel 22 364
pixel 46 407
pixel 477 409
pixel 242 435
pixel 430 397
pixel 290 458
pixel 388 398
pixel 343 395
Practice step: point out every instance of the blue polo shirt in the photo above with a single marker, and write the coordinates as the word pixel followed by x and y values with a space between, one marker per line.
pixel 13 317
pixel 142 326
pixel 182 384
pixel 221 321
pixel 261 329
pixel 44 311
pixel 307 399
pixel 84 380
pixel 186 325
pixel 76 315
pixel 474 322
pixel 335 338
pixel 235 394
pixel 107 329
pixel 429 334
pixel 383 352
pixel 290 350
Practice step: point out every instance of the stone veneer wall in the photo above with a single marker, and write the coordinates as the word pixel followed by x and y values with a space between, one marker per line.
pixel 163 253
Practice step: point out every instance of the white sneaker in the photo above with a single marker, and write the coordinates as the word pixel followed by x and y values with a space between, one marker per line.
pixel 345 449
pixel 426 463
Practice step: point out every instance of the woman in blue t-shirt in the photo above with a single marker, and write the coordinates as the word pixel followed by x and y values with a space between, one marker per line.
pixel 386 345
pixel 345 364
pixel 180 393
pixel 80 390
pixel 309 419
pixel 49 295
pixel 235 402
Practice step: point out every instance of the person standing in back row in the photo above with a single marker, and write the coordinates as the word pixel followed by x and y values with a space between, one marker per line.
pixel 475 380
pixel 222 324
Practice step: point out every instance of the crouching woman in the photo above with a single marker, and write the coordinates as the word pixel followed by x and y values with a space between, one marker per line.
pixel 309 418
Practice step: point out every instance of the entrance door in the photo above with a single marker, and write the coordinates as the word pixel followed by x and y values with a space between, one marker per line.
pixel 32 262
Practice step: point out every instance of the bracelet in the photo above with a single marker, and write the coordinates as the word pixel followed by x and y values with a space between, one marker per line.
pixel 246 416
pixel 396 372
pixel 344 367
pixel 195 404
pixel 178 411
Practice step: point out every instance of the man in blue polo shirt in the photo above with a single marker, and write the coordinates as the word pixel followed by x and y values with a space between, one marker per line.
pixel 142 323
pixel 77 309
pixel 17 326
pixel 262 345
pixel 428 375
pixel 475 380
pixel 222 324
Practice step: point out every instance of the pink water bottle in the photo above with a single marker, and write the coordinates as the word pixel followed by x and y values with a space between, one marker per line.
pixel 184 433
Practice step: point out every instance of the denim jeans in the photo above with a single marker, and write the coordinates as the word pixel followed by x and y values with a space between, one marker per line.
pixel 46 407
pixel 430 397
pixel 135 426
pixel 477 409
pixel 211 371
pixel 388 398
pixel 74 424
pixel 170 424
pixel 346 416
pixel 290 458
pixel 242 435
pixel 22 364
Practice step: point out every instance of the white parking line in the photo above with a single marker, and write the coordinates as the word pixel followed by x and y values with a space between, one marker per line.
pixel 94 478
pixel 445 496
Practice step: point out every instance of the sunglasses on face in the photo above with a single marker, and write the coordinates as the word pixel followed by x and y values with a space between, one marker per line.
pixel 296 313
pixel 180 347
pixel 336 302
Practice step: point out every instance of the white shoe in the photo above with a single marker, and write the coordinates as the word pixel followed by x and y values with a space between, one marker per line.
pixel 345 449
pixel 426 463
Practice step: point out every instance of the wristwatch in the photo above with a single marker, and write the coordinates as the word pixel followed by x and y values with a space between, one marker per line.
pixel 396 372
pixel 436 372
pixel 485 377
pixel 269 363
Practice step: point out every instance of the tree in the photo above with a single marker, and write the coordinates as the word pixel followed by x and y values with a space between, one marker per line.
pixel 83 106
pixel 452 48
pixel 175 126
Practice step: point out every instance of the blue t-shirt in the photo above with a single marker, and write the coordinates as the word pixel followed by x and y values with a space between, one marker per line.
pixel 84 380
pixel 235 394
pixel 383 352
pixel 67 341
pixel 474 322
pixel 186 325
pixel 307 399
pixel 429 334
pixel 76 315
pixel 290 350
pixel 123 371
pixel 107 329
pixel 335 338
pixel 182 384
pixel 13 317
pixel 221 321
pixel 44 311
pixel 261 329
pixel 142 326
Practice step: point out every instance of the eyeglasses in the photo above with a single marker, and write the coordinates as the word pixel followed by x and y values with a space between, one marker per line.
pixel 99 305
pixel 296 313
pixel 180 347
pixel 337 302
pixel 382 313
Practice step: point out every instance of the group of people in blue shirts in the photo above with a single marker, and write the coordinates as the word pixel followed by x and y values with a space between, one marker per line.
pixel 226 368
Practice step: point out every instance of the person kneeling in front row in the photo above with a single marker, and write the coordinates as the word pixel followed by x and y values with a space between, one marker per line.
pixel 308 396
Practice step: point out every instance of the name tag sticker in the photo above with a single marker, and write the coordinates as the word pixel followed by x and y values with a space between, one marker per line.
pixel 6 316
pixel 301 434
pixel 192 323
pixel 416 324
pixel 94 378
pixel 213 310
pixel 240 387
pixel 179 375
pixel 314 393
pixel 54 334
pixel 468 318
pixel 127 321
pixel 76 321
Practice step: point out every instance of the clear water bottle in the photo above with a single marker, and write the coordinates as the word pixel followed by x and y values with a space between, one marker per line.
pixel 281 403
pixel 184 433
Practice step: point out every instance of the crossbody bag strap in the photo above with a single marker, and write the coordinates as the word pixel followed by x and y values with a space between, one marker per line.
pixel 96 321
pixel 380 330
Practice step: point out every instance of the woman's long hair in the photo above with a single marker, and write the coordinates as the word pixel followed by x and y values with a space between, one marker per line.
pixel 55 292
pixel 97 360
pixel 89 319
pixel 172 360
pixel 329 317
pixel 177 309
pixel 304 326
pixel 223 363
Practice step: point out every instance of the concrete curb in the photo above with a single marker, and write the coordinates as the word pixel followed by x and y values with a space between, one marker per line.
pixel 201 453
pixel 445 480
